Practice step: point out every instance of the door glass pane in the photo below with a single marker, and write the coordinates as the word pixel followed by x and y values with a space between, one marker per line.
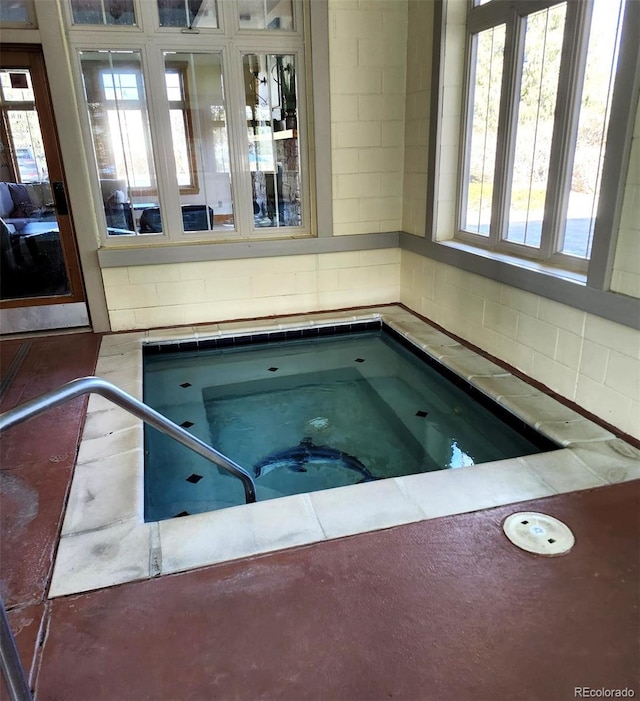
pixel 272 139
pixel 32 261
pixel 595 106
pixel 120 12
pixel 116 101
pixel 199 136
pixel 266 14
pixel 536 110
pixel 489 58
pixel 188 13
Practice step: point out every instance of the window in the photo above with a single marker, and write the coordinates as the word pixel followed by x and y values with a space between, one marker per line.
pixel 271 99
pixel 209 141
pixel 197 114
pixel 23 150
pixel 17 13
pixel 181 131
pixel 119 121
pixel 116 12
pixel 188 13
pixel 540 82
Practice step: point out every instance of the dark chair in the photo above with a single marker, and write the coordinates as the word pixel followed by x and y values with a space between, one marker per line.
pixel 119 216
pixel 194 218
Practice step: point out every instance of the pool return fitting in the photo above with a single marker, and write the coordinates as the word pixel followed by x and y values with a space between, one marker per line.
pixel 538 533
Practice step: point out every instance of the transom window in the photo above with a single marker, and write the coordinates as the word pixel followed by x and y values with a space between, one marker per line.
pixel 541 75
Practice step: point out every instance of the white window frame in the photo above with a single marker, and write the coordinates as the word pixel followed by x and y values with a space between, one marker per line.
pixel 577 26
pixel 151 41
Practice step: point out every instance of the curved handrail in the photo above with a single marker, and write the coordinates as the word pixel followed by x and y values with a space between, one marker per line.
pixel 96 385
pixel 15 677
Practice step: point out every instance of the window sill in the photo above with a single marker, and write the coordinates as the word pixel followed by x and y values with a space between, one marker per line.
pixel 197 251
pixel 524 263
pixel 570 288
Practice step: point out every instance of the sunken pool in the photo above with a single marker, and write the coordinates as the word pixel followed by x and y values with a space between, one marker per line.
pixel 308 410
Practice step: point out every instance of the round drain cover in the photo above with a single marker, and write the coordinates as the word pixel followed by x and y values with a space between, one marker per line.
pixel 538 533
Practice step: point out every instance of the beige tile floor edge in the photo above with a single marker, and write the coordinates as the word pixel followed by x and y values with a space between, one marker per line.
pixel 105 540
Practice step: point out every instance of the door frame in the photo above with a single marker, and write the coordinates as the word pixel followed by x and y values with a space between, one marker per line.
pixel 31 56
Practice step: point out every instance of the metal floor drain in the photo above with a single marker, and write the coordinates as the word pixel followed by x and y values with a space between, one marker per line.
pixel 538 533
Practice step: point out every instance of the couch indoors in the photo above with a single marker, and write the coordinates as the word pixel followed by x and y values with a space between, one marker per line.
pixel 31 258
pixel 27 209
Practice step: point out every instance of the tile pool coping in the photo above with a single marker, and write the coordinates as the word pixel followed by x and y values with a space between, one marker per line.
pixel 105 540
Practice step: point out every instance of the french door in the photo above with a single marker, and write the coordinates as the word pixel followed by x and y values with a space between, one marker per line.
pixel 40 279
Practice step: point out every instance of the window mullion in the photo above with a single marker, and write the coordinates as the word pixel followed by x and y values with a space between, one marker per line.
pixel 236 125
pixel 160 127
pixel 507 124
pixel 566 125
pixel 229 20
pixel 471 52
pixel 146 15
pixel 618 148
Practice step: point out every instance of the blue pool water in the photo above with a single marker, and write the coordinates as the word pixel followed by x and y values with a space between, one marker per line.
pixel 309 414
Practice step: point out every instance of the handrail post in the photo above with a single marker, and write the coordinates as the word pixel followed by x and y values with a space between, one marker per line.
pixel 12 669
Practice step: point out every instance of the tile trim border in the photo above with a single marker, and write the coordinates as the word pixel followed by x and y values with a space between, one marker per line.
pixel 105 540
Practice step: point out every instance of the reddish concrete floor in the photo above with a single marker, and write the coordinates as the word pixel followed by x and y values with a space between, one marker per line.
pixel 443 609
pixel 36 465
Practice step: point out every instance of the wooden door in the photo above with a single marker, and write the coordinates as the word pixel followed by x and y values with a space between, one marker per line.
pixel 40 264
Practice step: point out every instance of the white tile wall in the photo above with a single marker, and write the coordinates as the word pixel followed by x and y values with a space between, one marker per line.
pixel 212 291
pixel 417 122
pixel 587 359
pixel 367 57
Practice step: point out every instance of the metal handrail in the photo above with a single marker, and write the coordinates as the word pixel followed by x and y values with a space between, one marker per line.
pixel 10 662
pixel 96 385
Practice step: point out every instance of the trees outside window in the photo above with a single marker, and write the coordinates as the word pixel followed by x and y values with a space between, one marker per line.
pixel 541 76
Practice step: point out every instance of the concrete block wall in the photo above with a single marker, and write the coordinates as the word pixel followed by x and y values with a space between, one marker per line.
pixel 140 297
pixel 367 60
pixel 417 121
pixel 582 357
pixel 450 119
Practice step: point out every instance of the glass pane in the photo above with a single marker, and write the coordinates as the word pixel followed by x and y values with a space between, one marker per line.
pixel 602 56
pixel 16 95
pixel 119 12
pixel 188 13
pixel 114 89
pixel 27 142
pixel 489 58
pixel 17 12
pixel 32 262
pixel 272 139
pixel 199 136
pixel 266 14
pixel 536 110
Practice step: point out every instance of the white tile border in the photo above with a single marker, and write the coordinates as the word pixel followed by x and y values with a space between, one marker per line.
pixel 105 540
